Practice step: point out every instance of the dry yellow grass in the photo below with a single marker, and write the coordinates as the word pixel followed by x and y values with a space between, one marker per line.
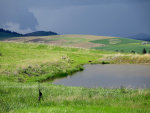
pixel 92 37
pixel 128 58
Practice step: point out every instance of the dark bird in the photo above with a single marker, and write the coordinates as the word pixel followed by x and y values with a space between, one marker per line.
pixel 40 94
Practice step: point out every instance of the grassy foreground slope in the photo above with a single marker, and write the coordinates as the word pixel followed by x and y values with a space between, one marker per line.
pixel 37 62
pixel 23 65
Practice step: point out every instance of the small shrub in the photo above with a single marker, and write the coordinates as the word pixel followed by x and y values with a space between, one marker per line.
pixel 89 61
pixel 117 50
pixel 104 62
pixel 144 51
pixel 20 79
pixel 122 51
pixel 123 89
pixel 132 51
pixel 0 54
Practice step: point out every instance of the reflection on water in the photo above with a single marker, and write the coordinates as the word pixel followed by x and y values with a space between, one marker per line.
pixel 110 76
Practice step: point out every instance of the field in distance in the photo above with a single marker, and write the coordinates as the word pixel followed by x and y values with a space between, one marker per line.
pixel 89 41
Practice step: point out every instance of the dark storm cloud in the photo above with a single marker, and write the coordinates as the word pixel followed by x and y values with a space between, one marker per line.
pixel 14 11
pixel 57 4
pixel 108 17
pixel 113 19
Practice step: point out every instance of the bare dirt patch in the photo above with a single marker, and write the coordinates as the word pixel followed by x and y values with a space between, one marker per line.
pixel 92 37
pixel 87 45
pixel 57 42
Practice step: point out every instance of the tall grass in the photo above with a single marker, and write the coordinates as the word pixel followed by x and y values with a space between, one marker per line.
pixel 23 97
pixel 127 58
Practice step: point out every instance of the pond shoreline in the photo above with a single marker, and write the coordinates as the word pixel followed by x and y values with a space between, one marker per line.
pixel 132 71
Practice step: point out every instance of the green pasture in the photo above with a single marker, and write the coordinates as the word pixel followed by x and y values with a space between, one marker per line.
pixel 116 41
pixel 122 45
pixel 128 48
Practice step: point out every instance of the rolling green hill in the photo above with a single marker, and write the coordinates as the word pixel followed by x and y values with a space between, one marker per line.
pixel 89 41
pixel 122 45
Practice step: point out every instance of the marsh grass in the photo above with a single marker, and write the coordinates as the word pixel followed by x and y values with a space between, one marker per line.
pixel 127 58
pixel 23 97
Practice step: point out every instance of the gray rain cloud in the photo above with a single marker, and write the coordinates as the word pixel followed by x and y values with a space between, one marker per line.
pixel 14 12
pixel 99 17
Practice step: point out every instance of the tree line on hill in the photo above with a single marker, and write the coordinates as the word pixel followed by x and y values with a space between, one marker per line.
pixel 8 34
pixel 144 51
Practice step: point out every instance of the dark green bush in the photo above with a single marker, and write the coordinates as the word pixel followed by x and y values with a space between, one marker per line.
pixel 104 62
pixel 144 51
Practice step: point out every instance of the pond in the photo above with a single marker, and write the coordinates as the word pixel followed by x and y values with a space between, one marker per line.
pixel 109 76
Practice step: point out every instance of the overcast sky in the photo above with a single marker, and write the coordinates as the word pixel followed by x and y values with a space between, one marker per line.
pixel 97 17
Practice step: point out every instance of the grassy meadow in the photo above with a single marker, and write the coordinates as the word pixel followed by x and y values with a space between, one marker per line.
pixel 37 62
pixel 24 65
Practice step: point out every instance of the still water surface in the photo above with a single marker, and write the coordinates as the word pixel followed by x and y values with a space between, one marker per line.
pixel 109 76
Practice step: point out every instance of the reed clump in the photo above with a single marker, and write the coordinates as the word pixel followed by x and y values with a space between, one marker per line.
pixel 128 59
